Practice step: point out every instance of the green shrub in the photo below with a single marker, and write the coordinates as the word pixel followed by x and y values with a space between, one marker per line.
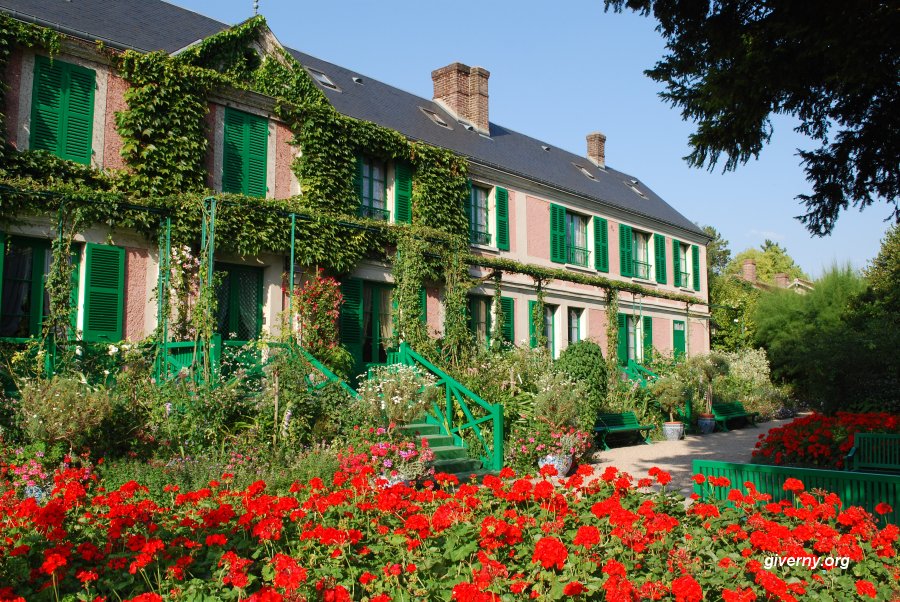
pixel 583 362
pixel 63 409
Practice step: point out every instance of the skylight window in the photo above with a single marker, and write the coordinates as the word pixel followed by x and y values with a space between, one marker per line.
pixel 323 79
pixel 585 171
pixel 357 80
pixel 545 147
pixel 436 118
pixel 633 184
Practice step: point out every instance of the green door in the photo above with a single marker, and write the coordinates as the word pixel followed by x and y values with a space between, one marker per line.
pixel 239 294
pixel 678 338
pixel 377 322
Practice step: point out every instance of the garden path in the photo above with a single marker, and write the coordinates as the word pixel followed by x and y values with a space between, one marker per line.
pixel 675 457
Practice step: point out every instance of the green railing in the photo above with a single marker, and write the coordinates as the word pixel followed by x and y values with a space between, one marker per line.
pixel 457 400
pixel 641 269
pixel 637 373
pixel 853 488
pixel 228 359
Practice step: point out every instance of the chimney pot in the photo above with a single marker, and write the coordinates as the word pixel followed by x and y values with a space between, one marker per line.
pixel 596 149
pixel 749 270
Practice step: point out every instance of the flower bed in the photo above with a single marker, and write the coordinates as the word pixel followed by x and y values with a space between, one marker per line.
pixel 577 538
pixel 819 440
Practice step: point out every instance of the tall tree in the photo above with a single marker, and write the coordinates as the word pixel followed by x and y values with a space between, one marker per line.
pixel 834 66
pixel 717 253
pixel 771 258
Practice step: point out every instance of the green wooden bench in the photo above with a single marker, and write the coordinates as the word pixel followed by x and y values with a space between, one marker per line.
pixel 877 452
pixel 731 410
pixel 626 422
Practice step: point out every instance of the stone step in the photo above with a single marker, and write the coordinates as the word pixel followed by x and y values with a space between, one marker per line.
pixel 421 428
pixel 457 466
pixel 449 452
pixel 439 440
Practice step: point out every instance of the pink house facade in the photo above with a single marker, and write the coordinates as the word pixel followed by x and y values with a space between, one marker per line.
pixel 530 202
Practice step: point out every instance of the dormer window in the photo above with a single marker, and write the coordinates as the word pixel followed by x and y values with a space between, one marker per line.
pixel 436 118
pixel 323 79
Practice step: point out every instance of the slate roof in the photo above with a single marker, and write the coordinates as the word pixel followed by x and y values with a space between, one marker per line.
pixel 156 25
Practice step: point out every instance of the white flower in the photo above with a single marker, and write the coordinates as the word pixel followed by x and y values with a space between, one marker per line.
pixel 113 350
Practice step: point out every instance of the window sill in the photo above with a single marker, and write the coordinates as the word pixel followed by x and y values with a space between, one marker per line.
pixel 580 268
pixel 485 248
pixel 645 282
pixel 690 291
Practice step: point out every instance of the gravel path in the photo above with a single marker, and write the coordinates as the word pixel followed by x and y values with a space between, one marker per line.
pixel 675 457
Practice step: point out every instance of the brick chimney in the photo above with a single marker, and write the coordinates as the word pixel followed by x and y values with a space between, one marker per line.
pixel 749 270
pixel 596 149
pixel 463 92
pixel 782 280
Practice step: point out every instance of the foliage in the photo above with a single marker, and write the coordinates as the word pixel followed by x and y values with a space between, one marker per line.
pixel 811 346
pixel 591 535
pixel 820 441
pixel 671 392
pixel 731 65
pixel 873 325
pixel 558 399
pixel 411 269
pixel 63 409
pixel 718 255
pixel 770 258
pixel 398 394
pixel 317 304
pixel 748 381
pixel 583 362
pixel 733 302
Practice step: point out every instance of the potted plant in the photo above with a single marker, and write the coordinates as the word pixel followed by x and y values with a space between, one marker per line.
pixel 708 368
pixel 670 392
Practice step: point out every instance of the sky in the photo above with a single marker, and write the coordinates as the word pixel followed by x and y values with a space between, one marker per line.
pixel 560 70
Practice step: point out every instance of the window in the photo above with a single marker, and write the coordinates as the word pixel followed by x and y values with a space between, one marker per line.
pixel 576 239
pixel 378 322
pixel 435 118
pixel 373 189
pixel 479 310
pixel 323 79
pixel 686 260
pixel 25 302
pixel 550 328
pixel 641 250
pixel 635 338
pixel 62 109
pixel 575 314
pixel 478 216
pixel 244 154
pixel 239 302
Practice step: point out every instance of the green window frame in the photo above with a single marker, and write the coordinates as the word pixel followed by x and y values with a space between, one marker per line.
pixel 640 249
pixel 681 276
pixel 239 292
pixel 377 322
pixel 576 239
pixel 245 153
pixel 62 109
pixel 575 315
pixel 24 302
pixel 372 188
pixel 479 214
pixel 550 328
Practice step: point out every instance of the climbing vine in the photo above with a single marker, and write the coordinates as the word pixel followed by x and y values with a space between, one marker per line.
pixel 612 332
pixel 410 273
pixel 537 316
pixel 499 318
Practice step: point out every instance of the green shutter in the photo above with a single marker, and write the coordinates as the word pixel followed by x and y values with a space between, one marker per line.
pixel 502 196
pixel 532 335
pixel 257 136
pixel 244 155
pixel 104 292
pixel 601 244
pixel 508 307
pixel 557 233
pixel 622 348
pixel 678 346
pixel 676 263
pixel 659 246
pixel 402 193
pixel 352 319
pixel 695 264
pixel 626 241
pixel 79 115
pixel 233 152
pixel 648 338
pixel 62 109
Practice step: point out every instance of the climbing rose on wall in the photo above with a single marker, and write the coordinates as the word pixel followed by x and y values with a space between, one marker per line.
pixel 317 304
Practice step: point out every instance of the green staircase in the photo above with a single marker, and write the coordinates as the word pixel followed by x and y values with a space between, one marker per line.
pixel 637 373
pixel 448 457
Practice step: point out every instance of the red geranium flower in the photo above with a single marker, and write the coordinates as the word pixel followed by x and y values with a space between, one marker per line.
pixel 550 552
pixel 866 588
pixel 574 589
